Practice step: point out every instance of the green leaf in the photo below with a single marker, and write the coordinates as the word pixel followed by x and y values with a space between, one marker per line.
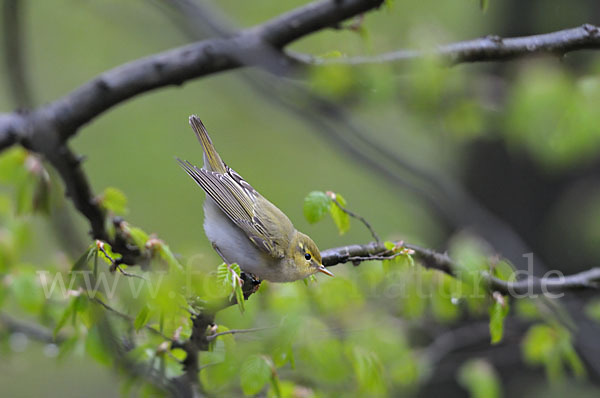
pixel 228 276
pixel 85 258
pixel 223 274
pixel 479 378
pixel 27 291
pixel 538 344
pixel 11 165
pixel 527 309
pixel 108 249
pixel 142 318
pixel 470 258
pixel 25 192
pixel 168 257
pixel 368 371
pixel 67 346
pixel 336 80
pixel 551 347
pixel 114 200
pixel 67 313
pixel 498 311
pixel 592 310
pixel 239 296
pixel 138 236
pixel 95 347
pixel 483 4
pixel 316 205
pixel 340 218
pixel 254 374
pixel 275 384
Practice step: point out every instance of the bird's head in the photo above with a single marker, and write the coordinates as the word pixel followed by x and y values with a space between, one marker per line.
pixel 306 256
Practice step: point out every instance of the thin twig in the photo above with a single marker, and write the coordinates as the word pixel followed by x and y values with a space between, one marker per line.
pixel 128 318
pixel 485 49
pixel 354 215
pixel 115 265
pixel 236 331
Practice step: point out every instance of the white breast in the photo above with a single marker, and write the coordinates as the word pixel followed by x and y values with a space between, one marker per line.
pixel 231 241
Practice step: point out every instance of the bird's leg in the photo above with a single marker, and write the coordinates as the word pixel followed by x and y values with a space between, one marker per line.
pixel 216 248
pixel 251 284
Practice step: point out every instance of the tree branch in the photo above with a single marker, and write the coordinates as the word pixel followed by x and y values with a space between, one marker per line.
pixel 489 48
pixel 31 330
pixel 531 285
pixel 234 331
pixel 178 65
pixel 47 129
pixel 14 56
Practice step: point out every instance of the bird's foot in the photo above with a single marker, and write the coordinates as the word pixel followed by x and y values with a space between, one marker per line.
pixel 251 283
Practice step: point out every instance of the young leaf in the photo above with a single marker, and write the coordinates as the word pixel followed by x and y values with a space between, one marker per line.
pixel 254 374
pixel 25 194
pixel 223 274
pixel 471 260
pixel 239 297
pixel 114 200
pixel 275 383
pixel 11 165
pixel 168 257
pixel 551 346
pixel 592 310
pixel 96 348
pixel 229 276
pixel 316 205
pixel 234 273
pixel 340 218
pixel 67 313
pixel 136 234
pixel 83 261
pixel 368 370
pixel 480 379
pixel 107 255
pixel 498 311
pixel 142 318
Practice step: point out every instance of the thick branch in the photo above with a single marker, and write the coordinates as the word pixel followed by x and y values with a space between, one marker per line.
pixel 78 189
pixel 11 124
pixel 490 48
pixel 31 330
pixel 181 64
pixel 46 129
pixel 295 24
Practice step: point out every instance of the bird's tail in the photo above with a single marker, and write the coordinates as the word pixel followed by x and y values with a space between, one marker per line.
pixel 212 160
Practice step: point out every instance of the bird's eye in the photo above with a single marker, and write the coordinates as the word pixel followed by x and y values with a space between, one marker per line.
pixel 307 256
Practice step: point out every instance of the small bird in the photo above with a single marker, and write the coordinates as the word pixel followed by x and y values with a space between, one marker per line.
pixel 244 227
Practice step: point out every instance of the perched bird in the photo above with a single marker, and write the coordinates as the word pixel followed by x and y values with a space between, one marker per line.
pixel 244 227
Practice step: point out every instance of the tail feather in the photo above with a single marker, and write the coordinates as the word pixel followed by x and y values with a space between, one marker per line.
pixel 212 160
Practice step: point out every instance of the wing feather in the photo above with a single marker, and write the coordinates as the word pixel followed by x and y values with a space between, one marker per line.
pixel 237 199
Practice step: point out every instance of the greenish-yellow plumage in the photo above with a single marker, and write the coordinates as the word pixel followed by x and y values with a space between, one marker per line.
pixel 244 227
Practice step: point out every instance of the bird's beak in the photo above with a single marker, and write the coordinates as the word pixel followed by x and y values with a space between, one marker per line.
pixel 325 271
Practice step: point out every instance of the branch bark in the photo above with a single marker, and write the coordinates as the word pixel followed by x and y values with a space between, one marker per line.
pixel 489 48
pixel 589 279
pixel 47 129
pixel 176 66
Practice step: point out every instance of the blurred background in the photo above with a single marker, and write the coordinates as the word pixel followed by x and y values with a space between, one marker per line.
pixel 506 153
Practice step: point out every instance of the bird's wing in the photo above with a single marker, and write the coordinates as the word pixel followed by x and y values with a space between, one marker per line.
pixel 237 199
